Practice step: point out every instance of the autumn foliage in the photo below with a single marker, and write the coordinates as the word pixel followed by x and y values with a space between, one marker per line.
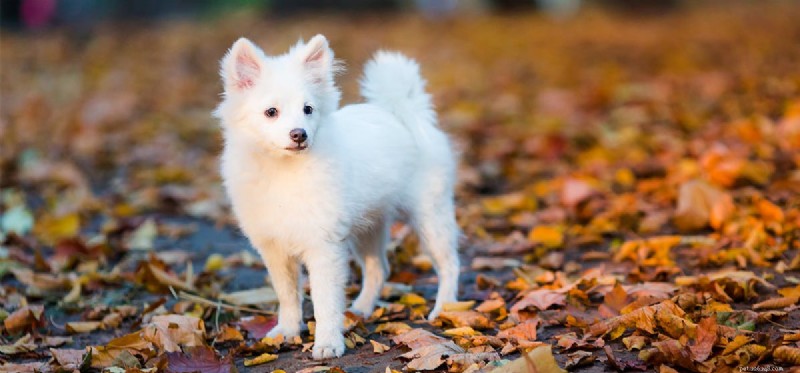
pixel 629 196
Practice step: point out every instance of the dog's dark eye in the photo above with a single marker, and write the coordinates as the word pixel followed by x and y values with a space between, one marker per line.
pixel 308 109
pixel 271 112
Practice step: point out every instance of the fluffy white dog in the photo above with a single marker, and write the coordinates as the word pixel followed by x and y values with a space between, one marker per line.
pixel 310 182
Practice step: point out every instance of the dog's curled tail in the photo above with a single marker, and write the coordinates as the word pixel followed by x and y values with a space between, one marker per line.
pixel 393 82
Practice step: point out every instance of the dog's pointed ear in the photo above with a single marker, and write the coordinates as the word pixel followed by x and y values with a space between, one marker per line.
pixel 242 66
pixel 318 58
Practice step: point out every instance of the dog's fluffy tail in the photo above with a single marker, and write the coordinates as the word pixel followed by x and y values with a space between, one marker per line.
pixel 392 81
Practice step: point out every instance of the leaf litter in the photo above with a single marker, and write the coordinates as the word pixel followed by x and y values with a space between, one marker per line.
pixel 628 203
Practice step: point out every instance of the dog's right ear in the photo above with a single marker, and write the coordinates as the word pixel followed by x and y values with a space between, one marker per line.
pixel 242 66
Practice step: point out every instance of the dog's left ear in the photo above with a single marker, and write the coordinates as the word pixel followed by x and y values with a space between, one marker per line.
pixel 318 58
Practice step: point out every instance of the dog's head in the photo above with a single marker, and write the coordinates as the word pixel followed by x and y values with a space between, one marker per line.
pixel 278 102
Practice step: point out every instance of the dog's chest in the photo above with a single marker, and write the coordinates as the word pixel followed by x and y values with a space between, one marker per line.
pixel 292 206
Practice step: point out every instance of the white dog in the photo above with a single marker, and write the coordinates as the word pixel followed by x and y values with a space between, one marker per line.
pixel 310 182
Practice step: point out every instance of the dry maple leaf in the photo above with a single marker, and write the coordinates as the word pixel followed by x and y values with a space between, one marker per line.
pixel 133 343
pixel 539 360
pixel 415 338
pixel 542 299
pixel 787 354
pixel 69 359
pixel 706 339
pixel 169 332
pixel 431 356
pixel 642 318
pixel 472 319
pixel 524 332
pixel 27 318
pixel 198 359
pixel 257 326
pixel 700 204
pixel 775 303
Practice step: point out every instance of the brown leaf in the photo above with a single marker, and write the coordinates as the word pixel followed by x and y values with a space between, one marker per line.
pixel 675 353
pixel 27 318
pixel 472 319
pixel 198 359
pixel 68 359
pixel 257 326
pixel 416 338
pixel 169 332
pixel 642 318
pixel 615 300
pixel 700 204
pixel 706 339
pixel 621 365
pixel 776 303
pixel 542 299
pixel 524 332
pixel 539 360
pixel 21 345
pixel 578 359
pixel 228 333
pixel 378 347
pixel 787 354
pixel 133 343
pixel 431 356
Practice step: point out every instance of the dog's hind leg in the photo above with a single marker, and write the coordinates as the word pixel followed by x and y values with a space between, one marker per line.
pixel 370 253
pixel 436 226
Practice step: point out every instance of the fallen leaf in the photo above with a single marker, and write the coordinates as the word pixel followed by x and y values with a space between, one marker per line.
pixel 69 359
pixel 472 319
pixel 539 360
pixel 260 359
pixel 198 359
pixel 541 299
pixel 393 328
pixel 27 318
pixel 378 347
pixel 550 237
pixel 700 204
pixel 431 356
pixel 257 326
pixel 524 332
pixel 169 332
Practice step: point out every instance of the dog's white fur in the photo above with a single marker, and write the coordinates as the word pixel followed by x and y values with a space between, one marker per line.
pixel 365 166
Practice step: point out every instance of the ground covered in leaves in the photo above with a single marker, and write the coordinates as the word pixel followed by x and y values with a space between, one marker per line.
pixel 629 193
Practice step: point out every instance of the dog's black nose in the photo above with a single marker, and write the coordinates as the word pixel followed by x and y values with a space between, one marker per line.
pixel 298 135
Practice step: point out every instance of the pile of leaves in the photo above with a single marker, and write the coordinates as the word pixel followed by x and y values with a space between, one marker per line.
pixel 629 195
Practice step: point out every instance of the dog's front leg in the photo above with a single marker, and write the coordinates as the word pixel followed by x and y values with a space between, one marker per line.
pixel 284 273
pixel 327 272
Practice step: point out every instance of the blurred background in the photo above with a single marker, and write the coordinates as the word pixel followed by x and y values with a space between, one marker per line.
pixel 106 104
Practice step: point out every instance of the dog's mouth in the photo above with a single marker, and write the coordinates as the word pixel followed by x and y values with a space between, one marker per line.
pixel 297 147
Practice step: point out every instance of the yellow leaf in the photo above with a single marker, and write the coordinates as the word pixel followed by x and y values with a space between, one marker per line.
pixel 393 328
pixel 52 229
pixel 214 263
pixel 539 360
pixel 261 359
pixel 464 331
pixel 548 236
pixel 458 306
pixel 411 299
pixel 76 327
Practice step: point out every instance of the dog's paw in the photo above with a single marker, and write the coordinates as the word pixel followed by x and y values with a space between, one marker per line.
pixel 363 312
pixel 435 313
pixel 285 331
pixel 328 348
